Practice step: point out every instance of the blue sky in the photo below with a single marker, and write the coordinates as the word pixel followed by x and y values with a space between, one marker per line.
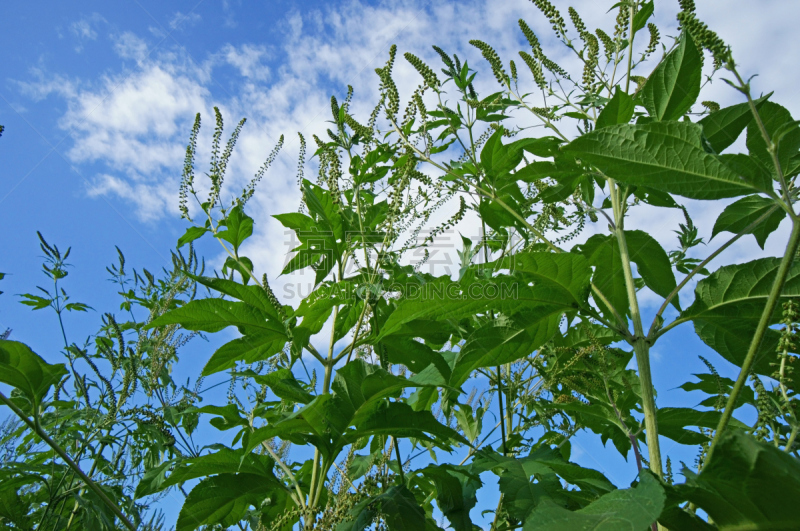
pixel 98 98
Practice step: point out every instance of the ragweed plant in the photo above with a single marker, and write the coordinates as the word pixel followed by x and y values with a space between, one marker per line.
pixel 543 323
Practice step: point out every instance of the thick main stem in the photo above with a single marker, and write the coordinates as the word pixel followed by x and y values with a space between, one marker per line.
pixel 755 343
pixel 640 345
pixel 67 459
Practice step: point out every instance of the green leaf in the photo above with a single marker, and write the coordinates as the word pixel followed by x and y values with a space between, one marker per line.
pixel 213 315
pixel 455 493
pixel 630 509
pixel 737 216
pixel 748 485
pixel 782 129
pixel 602 252
pixel 674 85
pixel 252 295
pixel 567 274
pixel 728 304
pixel 546 465
pixel 397 506
pixel 496 344
pixel 721 128
pixel 751 170
pixel 22 368
pixel 667 156
pixel 642 16
pixel 673 420
pixel 652 263
pixel 283 384
pixel 227 416
pixel 223 499
pixel 619 109
pixel 223 461
pixel 191 234
pixel 239 227
pixel 250 348
pixel 730 338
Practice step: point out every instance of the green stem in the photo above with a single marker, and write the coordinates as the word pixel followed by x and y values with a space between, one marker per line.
pixel 755 343
pixel 640 345
pixel 502 411
pixel 67 459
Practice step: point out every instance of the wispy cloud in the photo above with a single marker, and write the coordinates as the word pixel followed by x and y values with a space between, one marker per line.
pixel 85 29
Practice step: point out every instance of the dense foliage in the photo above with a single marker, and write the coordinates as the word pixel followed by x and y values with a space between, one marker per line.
pixel 550 329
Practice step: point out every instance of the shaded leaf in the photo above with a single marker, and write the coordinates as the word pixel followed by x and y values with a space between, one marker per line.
pixel 738 215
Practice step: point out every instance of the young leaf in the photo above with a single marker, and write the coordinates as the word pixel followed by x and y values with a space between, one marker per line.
pixel 737 216
pixel 191 234
pixel 668 156
pixel 642 16
pixel 619 109
pixel 239 227
pixel 674 85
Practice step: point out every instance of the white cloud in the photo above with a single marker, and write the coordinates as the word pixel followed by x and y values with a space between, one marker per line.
pixel 180 20
pixel 248 60
pixel 85 29
pixel 129 46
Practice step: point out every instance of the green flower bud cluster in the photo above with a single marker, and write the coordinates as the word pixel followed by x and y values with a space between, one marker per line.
pixel 423 111
pixel 554 68
pixel 388 86
pixel 445 58
pixel 608 43
pixel 705 38
pixel 424 70
pixel 494 60
pixel 301 161
pixel 639 80
pixel 513 68
pixel 590 63
pixel 535 68
pixel 712 106
pixel 361 130
pixel 532 39
pixel 552 14
pixel 654 39
pixel 580 27
pixel 450 223
pixel 187 180
pixel 248 192
pixel 323 161
pixel 335 109
pixel 687 5
pixel 334 174
pixel 623 20
pixel 272 298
